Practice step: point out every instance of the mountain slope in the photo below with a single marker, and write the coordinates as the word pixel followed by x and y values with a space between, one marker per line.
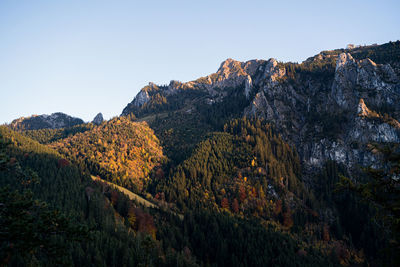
pixel 124 152
pixel 117 227
pixel 30 168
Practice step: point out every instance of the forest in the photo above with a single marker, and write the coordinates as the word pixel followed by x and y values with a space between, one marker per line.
pixel 245 185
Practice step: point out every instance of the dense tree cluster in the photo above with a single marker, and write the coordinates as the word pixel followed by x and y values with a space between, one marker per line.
pixel 119 150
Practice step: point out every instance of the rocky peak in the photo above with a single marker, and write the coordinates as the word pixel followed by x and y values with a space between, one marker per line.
pixel 152 86
pixel 141 98
pixel 355 79
pixel 272 63
pixel 173 84
pixel 98 119
pixel 272 70
pixel 252 66
pixel 343 59
pixel 230 67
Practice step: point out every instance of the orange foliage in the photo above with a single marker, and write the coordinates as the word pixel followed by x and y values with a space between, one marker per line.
pixel 135 153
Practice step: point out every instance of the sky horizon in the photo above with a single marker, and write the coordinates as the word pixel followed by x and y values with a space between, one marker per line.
pixel 82 58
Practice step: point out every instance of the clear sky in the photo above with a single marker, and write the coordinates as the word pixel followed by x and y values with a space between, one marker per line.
pixel 85 57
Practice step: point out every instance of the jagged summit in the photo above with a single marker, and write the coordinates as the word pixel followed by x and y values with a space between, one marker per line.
pixel 230 74
pixel 343 59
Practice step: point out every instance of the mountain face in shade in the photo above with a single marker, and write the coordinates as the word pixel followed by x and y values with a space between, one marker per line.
pixel 53 121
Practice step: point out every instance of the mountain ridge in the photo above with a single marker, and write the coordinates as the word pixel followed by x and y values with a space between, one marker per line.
pixel 302 100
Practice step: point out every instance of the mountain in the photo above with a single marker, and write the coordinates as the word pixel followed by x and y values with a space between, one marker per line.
pixel 53 121
pixel 315 105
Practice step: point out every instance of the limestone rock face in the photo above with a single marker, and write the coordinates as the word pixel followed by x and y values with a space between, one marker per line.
pixel 344 59
pixel 248 86
pixel 98 119
pixel 344 81
pixel 363 79
pixel 141 98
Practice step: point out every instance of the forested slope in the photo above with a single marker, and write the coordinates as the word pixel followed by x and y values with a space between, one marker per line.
pixel 124 152
pixel 32 173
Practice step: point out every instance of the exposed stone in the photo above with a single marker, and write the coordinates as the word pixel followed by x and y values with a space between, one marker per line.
pixel 343 59
pixel 247 86
pixel 362 109
pixel 98 119
pixel 141 98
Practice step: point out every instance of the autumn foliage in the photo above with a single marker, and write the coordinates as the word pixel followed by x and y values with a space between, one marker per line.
pixel 120 150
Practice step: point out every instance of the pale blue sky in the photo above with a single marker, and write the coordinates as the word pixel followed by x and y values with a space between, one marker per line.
pixel 85 57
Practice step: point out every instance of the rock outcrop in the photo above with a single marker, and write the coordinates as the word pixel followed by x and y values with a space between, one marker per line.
pixel 141 98
pixel 98 119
